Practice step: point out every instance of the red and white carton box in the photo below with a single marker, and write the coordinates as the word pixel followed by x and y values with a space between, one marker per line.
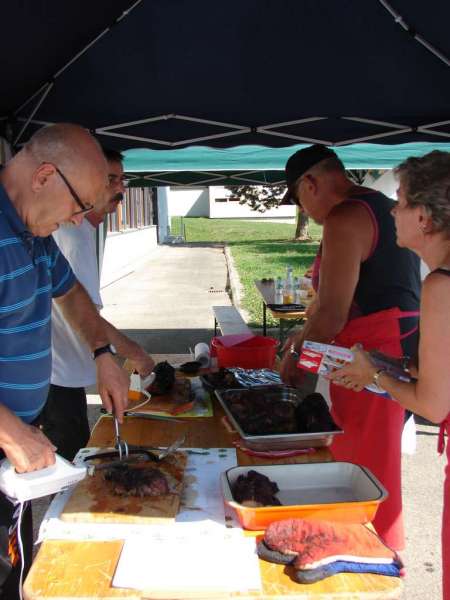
pixel 323 359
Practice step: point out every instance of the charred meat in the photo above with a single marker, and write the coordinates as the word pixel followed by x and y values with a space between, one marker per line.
pixel 223 379
pixel 164 380
pixel 255 489
pixel 191 367
pixel 261 413
pixel 313 415
pixel 273 410
pixel 128 480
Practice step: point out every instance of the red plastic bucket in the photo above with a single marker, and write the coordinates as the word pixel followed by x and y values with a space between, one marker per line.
pixel 257 352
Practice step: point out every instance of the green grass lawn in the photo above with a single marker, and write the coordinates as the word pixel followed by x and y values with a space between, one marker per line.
pixel 259 250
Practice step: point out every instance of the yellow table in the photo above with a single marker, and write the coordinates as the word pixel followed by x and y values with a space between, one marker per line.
pixel 266 289
pixel 81 570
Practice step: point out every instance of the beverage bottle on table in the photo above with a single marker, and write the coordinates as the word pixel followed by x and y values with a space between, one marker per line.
pixel 288 292
pixel 278 291
pixel 297 293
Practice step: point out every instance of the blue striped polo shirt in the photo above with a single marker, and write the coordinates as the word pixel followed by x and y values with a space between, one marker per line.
pixel 32 271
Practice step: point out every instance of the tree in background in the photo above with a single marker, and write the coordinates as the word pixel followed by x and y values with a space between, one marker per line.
pixel 263 197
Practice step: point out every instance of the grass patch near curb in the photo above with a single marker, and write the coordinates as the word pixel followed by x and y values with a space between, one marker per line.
pixel 259 249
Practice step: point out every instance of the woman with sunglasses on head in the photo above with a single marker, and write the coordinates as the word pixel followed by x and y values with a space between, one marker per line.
pixel 422 219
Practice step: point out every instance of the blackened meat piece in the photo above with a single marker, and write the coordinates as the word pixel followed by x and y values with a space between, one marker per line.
pixel 164 380
pixel 129 481
pixel 191 367
pixel 255 489
pixel 313 415
pixel 262 414
pixel 223 379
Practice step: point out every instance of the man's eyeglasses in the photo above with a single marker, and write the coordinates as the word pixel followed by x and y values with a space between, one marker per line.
pixel 84 207
pixel 115 179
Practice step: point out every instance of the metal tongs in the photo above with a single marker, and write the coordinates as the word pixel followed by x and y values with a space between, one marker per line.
pixel 121 445
pixel 136 454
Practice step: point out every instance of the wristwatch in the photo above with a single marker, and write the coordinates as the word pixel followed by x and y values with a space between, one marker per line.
pixel 376 376
pixel 108 348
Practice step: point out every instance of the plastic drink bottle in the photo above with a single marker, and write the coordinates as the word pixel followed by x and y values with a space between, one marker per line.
pixel 288 292
pixel 278 291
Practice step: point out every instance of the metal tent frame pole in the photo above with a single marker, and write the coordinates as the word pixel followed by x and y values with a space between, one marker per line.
pixel 47 86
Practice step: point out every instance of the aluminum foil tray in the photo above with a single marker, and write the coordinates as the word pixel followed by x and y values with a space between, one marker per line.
pixel 256 377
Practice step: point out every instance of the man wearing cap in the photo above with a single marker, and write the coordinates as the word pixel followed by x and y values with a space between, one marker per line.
pixel 64 417
pixel 367 291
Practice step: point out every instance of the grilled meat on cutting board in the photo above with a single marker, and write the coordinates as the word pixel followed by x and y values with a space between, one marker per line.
pixel 95 500
pixel 127 480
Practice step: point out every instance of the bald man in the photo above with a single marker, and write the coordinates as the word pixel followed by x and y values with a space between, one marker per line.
pixel 58 176
pixel 64 419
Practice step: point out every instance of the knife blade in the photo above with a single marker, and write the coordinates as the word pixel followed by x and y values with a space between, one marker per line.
pixel 137 458
pixel 144 415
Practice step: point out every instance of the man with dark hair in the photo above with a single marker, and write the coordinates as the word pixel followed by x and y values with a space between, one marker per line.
pixel 58 176
pixel 367 291
pixel 64 418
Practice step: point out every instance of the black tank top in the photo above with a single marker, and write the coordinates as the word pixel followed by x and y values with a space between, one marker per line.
pixel 390 276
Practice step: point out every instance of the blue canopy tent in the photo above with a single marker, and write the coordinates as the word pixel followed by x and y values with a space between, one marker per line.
pixel 167 74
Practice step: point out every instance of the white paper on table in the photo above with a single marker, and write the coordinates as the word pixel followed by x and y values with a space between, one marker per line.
pixel 188 559
pixel 202 495
pixel 201 500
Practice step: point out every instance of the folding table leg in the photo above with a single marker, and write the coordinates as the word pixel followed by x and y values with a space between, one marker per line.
pixel 264 319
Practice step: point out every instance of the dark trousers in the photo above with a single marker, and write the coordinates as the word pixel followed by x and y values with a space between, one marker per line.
pixel 10 558
pixel 64 419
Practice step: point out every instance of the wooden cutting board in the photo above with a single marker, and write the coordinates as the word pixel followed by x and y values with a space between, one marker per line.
pixel 174 402
pixel 93 500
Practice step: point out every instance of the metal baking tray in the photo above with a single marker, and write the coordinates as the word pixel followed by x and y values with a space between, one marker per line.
pixel 333 491
pixel 278 441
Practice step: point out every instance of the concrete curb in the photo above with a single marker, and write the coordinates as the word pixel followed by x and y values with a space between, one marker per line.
pixel 235 286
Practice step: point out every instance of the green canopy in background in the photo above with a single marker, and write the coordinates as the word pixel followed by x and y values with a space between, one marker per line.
pixel 202 166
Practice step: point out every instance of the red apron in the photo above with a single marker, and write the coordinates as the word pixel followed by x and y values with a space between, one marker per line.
pixel 445 426
pixel 372 424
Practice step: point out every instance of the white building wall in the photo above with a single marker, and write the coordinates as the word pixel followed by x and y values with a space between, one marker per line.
pixel 124 251
pixel 162 196
pixel 188 202
pixel 202 202
pixel 387 184
pixel 231 209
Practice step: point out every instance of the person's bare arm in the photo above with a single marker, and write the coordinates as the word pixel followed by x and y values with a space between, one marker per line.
pixel 27 448
pixel 429 396
pixel 82 315
pixel 140 360
pixel 347 238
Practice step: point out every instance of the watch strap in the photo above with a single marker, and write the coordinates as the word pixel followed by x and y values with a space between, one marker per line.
pixel 376 376
pixel 102 350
